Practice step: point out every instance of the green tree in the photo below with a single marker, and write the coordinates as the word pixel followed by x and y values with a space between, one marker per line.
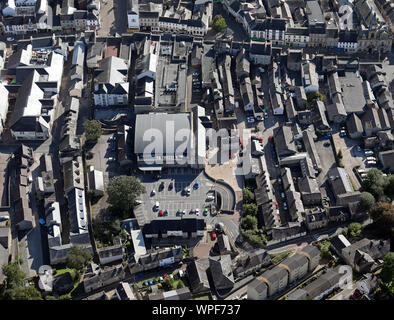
pixel 249 222
pixel 23 293
pixel 248 196
pixel 169 283
pixel 218 23
pixel 314 96
pixel 354 229
pixel 325 249
pixel 14 276
pixel 122 192
pixel 390 185
pixel 375 183
pixel 93 130
pixel 253 238
pixel 249 209
pixel 383 216
pixel 50 298
pixel 367 200
pixel 180 285
pixel 78 257
pixel 339 154
pixel 387 273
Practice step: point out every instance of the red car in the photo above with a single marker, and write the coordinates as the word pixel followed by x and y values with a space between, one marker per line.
pixel 357 293
pixel 278 218
pixel 271 137
pixel 261 140
pixel 213 236
pixel 161 213
pixel 276 205
pixel 165 276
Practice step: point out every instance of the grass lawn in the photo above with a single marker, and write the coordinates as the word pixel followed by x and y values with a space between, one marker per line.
pixel 206 297
pixel 61 271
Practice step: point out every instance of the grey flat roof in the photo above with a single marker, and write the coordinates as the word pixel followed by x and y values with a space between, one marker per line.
pixel 159 122
pixel 353 93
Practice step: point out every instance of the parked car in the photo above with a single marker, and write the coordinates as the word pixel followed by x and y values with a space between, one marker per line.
pixel 205 213
pixel 161 213
pixel 276 205
pixel 283 195
pixel 285 205
pixel 197 212
pixel 171 186
pixel 210 197
pixel 157 205
pixel 213 236
pixel 371 159
pixel 10 39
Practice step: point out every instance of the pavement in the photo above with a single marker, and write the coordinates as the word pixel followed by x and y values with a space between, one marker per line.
pixel 351 157
pixel 174 200
pixel 102 150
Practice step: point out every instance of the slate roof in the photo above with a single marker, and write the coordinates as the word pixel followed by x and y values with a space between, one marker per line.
pixel 221 271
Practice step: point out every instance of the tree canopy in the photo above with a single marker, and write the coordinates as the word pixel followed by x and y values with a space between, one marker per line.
pixel 387 273
pixel 249 222
pixel 218 23
pixel 78 257
pixel 367 200
pixel 15 284
pixel 390 185
pixel 93 130
pixel 354 229
pixel 249 209
pixel 248 196
pixel 122 192
pixel 13 274
pixel 383 216
pixel 375 183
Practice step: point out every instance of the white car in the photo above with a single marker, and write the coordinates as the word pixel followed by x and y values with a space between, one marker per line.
pixel 210 197
pixel 157 204
pixel 250 120
pixel 10 39
pixel 197 212
pixel 279 180
pixel 368 153
pixel 371 159
pixel 371 163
